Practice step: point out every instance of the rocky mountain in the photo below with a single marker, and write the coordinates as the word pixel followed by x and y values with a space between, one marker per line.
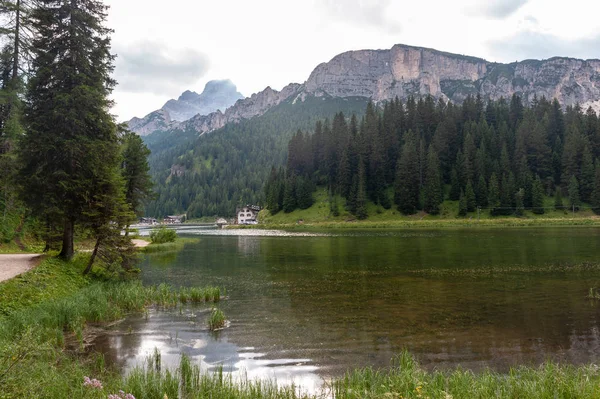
pixel 218 95
pixel 404 71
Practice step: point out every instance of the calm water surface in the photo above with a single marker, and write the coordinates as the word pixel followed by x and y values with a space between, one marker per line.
pixel 303 307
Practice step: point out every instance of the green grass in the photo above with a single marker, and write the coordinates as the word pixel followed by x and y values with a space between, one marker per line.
pixel 169 246
pixel 405 379
pixel 52 279
pixel 46 320
pixel 216 319
pixel 319 216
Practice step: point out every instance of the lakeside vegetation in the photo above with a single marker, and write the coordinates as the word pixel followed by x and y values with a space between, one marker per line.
pixel 48 316
pixel 319 215
pixel 503 157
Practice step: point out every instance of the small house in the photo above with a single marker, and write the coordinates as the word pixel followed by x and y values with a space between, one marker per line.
pixel 175 219
pixel 248 214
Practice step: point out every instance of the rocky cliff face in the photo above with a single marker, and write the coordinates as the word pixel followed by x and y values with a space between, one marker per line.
pixel 405 71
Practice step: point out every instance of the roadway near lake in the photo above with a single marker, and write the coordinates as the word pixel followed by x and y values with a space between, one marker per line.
pixel 12 265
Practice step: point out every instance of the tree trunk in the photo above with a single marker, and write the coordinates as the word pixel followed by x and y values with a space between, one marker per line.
pixel 67 244
pixel 93 258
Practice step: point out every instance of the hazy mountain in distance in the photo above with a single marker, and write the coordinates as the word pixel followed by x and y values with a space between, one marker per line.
pixel 218 95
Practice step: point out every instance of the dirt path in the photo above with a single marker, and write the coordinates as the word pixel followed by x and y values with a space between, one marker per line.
pixel 13 265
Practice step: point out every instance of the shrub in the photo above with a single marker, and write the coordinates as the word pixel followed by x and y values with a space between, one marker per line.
pixel 162 235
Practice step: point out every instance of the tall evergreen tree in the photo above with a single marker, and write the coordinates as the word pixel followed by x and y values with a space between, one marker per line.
pixel 519 206
pixel 558 202
pixel 595 199
pixel 407 178
pixel 462 204
pixel 574 199
pixel 69 151
pixel 361 192
pixel 135 169
pixel 537 194
pixel 493 194
pixel 289 194
pixel 470 197
pixel 586 180
pixel 454 185
pixel 482 192
pixel 432 192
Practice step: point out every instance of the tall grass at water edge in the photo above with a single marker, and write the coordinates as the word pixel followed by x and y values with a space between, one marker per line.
pixel 405 379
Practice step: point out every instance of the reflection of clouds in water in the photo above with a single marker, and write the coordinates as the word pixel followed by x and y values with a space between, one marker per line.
pixel 137 339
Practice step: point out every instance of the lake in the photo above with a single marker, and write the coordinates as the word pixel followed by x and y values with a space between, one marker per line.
pixel 305 307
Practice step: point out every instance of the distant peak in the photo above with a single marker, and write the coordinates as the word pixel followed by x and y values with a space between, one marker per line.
pixel 224 86
pixel 188 95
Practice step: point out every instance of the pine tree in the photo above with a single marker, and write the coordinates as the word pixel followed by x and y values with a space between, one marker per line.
pixel 289 194
pixel 462 204
pixel 586 181
pixel 537 195
pixel 470 197
pixel 574 200
pixel 519 206
pixel 70 151
pixel 595 199
pixel 407 178
pixel 454 185
pixel 272 191
pixel 558 202
pixel 494 194
pixel 304 190
pixel 482 192
pixel 361 193
pixel 135 169
pixel 432 191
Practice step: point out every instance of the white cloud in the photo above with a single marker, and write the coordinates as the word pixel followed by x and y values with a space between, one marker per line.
pixel 274 42
pixel 371 13
pixel 149 67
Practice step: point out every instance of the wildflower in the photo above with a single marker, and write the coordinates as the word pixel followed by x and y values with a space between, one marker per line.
pixel 92 383
pixel 121 395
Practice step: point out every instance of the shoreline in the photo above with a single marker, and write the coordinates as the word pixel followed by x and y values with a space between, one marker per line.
pixel 426 223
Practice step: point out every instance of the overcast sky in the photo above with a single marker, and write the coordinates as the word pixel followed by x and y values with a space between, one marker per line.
pixel 166 47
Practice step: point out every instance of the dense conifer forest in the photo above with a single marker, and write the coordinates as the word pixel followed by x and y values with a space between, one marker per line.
pixel 502 157
pixel 212 174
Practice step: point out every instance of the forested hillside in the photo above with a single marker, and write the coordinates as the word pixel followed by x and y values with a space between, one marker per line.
pixel 500 156
pixel 212 174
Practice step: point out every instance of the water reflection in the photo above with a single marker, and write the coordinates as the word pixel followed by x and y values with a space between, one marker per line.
pixel 311 305
pixel 131 342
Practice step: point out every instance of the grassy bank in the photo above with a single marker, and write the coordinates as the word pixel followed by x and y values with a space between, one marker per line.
pixel 405 379
pixel 46 320
pixel 320 216
pixel 178 245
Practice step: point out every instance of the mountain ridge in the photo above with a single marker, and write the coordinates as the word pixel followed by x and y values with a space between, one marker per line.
pixel 405 71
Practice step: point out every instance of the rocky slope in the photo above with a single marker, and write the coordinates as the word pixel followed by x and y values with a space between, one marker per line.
pixel 405 71
pixel 218 95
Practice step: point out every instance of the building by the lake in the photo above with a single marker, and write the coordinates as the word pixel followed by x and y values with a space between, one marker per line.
pixel 248 214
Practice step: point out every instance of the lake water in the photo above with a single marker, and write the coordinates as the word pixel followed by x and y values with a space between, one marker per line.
pixel 305 307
